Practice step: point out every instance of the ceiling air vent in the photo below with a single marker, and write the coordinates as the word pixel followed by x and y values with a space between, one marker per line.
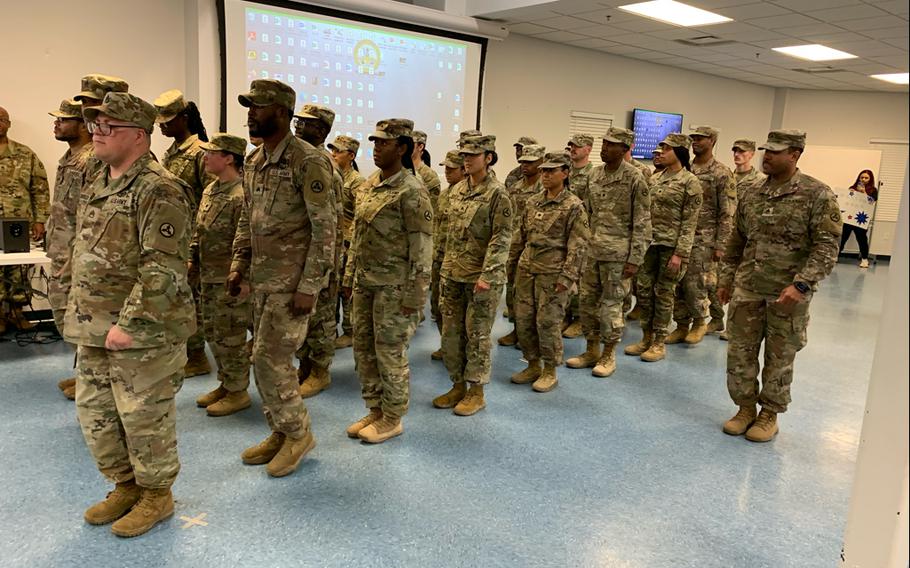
pixel 819 70
pixel 701 41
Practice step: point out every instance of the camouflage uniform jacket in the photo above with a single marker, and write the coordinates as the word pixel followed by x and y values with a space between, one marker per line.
pixel 441 223
pixel 513 176
pixel 552 236
pixel 186 161
pixel 675 206
pixel 393 237
pixel 782 234
pixel 430 181
pixel 129 260
pixel 520 192
pixel 23 184
pixel 717 205
pixel 352 182
pixel 619 208
pixel 479 232
pixel 752 177
pixel 579 180
pixel 75 172
pixel 216 224
pixel 286 235
pixel 641 167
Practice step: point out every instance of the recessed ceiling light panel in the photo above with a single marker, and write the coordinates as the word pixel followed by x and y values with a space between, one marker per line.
pixel 814 52
pixel 896 78
pixel 675 13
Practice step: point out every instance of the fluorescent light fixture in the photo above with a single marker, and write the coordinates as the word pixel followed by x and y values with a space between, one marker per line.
pixel 675 13
pixel 896 78
pixel 814 52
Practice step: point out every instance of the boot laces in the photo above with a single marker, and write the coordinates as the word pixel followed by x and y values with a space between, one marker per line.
pixel 764 419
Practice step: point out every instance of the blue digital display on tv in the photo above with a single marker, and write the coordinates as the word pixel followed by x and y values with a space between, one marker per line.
pixel 651 127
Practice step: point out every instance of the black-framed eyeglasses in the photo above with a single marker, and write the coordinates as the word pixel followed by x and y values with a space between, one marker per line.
pixel 105 129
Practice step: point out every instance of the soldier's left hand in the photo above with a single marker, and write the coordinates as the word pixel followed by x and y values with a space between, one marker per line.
pixel 117 339
pixel 674 264
pixel 301 304
pixel 718 255
pixel 560 288
pixel 37 231
pixel 789 297
pixel 481 286
pixel 629 270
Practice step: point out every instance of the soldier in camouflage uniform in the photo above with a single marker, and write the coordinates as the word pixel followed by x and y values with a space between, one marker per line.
pixel 473 274
pixel 388 272
pixel 676 196
pixel 285 247
pixel 640 166
pixel 579 149
pixel 550 241
pixel 515 173
pixel 423 170
pixel 619 206
pixel 646 172
pixel 519 193
pixel 180 120
pixel 784 242
pixel 718 204
pixel 130 311
pixel 225 318
pixel 23 194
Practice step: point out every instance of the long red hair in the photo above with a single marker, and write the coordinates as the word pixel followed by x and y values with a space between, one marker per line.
pixel 870 188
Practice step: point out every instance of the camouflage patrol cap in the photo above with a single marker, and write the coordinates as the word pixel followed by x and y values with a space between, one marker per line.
pixel 223 142
pixel 420 137
pixel 169 104
pixel 453 159
pixel 581 140
pixel 265 92
pixel 532 153
pixel 467 134
pixel 525 141
pixel 677 140
pixel 620 136
pixel 478 144
pixel 321 113
pixel 393 128
pixel 556 160
pixel 95 86
pixel 706 131
pixel 125 107
pixel 345 144
pixel 68 109
pixel 744 144
pixel 782 139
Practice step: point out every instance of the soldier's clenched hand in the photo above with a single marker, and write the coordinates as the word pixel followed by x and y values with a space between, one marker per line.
pixel 789 297
pixel 117 339
pixel 481 286
pixel 629 270
pixel 301 304
pixel 674 264
pixel 232 285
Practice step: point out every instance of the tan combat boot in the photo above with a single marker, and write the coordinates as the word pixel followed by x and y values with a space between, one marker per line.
pixel 509 339
pixel 574 330
pixel 211 397
pixel 70 393
pixel 547 380
pixel 455 395
pixel 765 427
pixel 344 341
pixel 697 333
pixel 381 430
pixel 288 457
pixel 606 365
pixel 229 404
pixel 264 451
pixel 472 403
pixel 724 335
pixel 19 321
pixel 716 325
pixel 637 349
pixel 197 364
pixel 528 375
pixel 657 351
pixel 436 355
pixel 66 383
pixel 354 429
pixel 741 422
pixel 587 359
pixel 318 381
pixel 679 334
pixel 117 503
pixel 154 506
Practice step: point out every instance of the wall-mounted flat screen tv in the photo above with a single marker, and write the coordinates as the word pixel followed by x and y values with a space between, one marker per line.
pixel 651 127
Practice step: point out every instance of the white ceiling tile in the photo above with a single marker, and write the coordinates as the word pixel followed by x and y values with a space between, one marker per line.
pixel 901 43
pixel 810 29
pixel 644 25
pixel 899 61
pixel 591 42
pixel 717 57
pixel 623 49
pixel 894 6
pixel 559 36
pixel 847 13
pixel 526 28
pixel 831 40
pixel 868 48
pixel 601 31
pixel 605 16
pixel 878 22
pixel 562 23
pixel 780 23
pixel 809 5
pixel 576 6
pixel 679 33
pixel 526 14
pixel 755 10
pixel 715 4
pixel 889 33
pixel 738 31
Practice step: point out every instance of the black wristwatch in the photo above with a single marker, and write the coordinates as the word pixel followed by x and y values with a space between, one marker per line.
pixel 802 287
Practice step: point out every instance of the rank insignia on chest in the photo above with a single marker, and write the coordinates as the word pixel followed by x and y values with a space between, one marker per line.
pixel 538 215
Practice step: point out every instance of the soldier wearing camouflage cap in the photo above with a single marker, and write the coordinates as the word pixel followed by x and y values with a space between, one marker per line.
pixel 421 159
pixel 96 85
pixel 515 174
pixel 344 153
pixel 785 237
pixel 132 245
pixel 284 247
pixel 579 148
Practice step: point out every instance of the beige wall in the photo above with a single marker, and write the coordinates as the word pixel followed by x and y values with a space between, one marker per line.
pixel 845 118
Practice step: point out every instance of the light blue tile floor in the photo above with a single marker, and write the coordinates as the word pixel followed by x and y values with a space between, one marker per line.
pixel 631 471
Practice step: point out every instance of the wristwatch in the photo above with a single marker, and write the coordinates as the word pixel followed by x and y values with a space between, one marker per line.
pixel 802 287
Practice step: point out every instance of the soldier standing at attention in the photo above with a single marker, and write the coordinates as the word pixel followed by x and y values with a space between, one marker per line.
pixel 520 192
pixel 344 153
pixel 284 246
pixel 619 206
pixel 643 168
pixel 473 274
pixel 225 318
pixel 180 120
pixel 422 168
pixel 515 173
pixel 388 273
pixel 676 198
pixel 130 311
pixel 646 172
pixel 550 242
pixel 784 242
pixel 579 149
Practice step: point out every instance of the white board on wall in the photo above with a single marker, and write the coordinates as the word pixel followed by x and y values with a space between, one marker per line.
pixel 838 166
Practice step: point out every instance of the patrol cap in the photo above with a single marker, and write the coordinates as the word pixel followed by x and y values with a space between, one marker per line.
pixel 478 144
pixel 581 140
pixel 265 92
pixel 555 160
pixel 453 159
pixel 744 144
pixel 655 151
pixel 125 107
pixel 782 139
pixel 169 104
pixel 532 153
pixel 619 135
pixel 321 113
pixel 393 128
pixel 706 131
pixel 677 140
pixel 68 109
pixel 420 137
pixel 344 144
pixel 223 142
pixel 525 141
pixel 95 86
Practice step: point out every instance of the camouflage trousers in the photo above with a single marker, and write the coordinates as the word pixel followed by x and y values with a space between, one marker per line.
pixel 715 308
pixel 692 291
pixel 197 340
pixel 657 288
pixel 511 272
pixel 276 337
pixel 756 318
pixel 319 345
pixel 435 301
pixel 225 321
pixel 15 288
pixel 345 304
pixel 467 320
pixel 125 405
pixel 603 290
pixel 381 336
pixel 58 289
pixel 539 311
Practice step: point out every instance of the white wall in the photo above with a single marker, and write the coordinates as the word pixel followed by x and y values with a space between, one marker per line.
pixel 846 118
